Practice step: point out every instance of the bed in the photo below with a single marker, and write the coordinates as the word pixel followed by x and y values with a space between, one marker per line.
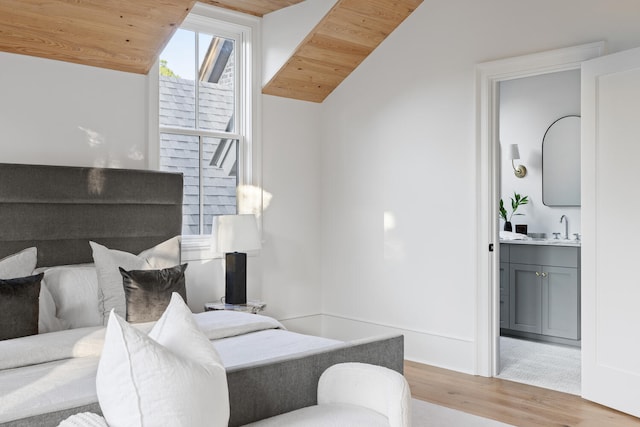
pixel 45 378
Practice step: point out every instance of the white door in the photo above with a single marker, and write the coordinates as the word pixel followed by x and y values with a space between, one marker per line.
pixel 611 229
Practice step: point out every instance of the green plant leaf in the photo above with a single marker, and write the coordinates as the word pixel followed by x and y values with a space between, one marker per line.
pixel 503 211
pixel 516 201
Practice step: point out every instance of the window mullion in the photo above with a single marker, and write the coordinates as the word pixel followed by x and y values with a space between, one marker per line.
pixel 196 89
pixel 201 181
pixel 196 81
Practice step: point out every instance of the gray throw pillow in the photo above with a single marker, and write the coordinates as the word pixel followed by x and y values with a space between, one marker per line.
pixel 19 306
pixel 148 292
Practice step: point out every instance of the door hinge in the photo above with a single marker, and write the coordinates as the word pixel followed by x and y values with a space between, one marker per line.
pixel 490 247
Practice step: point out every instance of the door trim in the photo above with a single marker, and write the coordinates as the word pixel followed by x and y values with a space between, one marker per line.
pixel 488 76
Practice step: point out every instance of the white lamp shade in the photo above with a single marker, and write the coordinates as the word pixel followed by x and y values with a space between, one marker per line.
pixel 515 152
pixel 235 233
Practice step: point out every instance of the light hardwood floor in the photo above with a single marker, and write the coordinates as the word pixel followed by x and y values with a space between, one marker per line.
pixel 507 401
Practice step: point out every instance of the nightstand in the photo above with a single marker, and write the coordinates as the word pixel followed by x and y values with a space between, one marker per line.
pixel 252 306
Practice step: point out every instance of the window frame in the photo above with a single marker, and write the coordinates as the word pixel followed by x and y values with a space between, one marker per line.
pixel 245 30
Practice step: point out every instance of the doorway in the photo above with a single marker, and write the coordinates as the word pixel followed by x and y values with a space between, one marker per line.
pixel 539 134
pixel 610 90
pixel 489 76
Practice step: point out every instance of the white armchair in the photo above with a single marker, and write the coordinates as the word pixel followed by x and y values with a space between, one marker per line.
pixel 353 394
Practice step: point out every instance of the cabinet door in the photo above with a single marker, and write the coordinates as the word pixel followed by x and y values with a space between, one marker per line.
pixel 504 294
pixel 561 302
pixel 525 298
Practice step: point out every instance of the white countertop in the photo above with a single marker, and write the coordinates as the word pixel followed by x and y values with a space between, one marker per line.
pixel 547 242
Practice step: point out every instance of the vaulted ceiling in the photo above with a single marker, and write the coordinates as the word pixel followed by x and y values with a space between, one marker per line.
pixel 128 35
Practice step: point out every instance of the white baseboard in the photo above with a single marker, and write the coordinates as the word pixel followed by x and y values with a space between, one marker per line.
pixel 445 352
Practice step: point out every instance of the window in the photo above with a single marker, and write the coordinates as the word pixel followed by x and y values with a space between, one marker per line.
pixel 205 100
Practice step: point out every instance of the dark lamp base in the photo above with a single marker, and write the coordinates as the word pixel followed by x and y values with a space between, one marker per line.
pixel 236 278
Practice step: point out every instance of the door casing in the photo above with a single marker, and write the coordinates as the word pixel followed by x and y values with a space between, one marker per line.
pixel 488 77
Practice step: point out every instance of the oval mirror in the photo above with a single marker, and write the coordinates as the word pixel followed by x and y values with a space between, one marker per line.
pixel 561 163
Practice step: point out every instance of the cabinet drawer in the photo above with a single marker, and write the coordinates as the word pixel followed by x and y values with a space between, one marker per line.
pixel 560 256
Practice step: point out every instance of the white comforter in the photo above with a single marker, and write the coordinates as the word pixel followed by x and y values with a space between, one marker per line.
pixel 49 372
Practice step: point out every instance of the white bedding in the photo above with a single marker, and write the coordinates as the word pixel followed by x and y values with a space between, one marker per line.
pixel 38 389
pixel 50 372
pixel 268 345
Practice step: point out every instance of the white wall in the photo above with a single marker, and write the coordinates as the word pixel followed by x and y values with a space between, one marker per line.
pixel 290 254
pixel 399 137
pixel 59 113
pixel 528 106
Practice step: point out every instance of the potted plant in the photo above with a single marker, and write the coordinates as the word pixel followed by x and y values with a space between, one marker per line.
pixel 516 201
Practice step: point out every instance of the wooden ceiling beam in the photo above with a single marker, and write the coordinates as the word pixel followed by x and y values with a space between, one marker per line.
pixel 336 46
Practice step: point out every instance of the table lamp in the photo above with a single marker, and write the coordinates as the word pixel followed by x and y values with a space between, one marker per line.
pixel 234 235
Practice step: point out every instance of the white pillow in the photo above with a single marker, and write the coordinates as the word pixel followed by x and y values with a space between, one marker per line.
pixel 171 377
pixel 47 319
pixel 74 290
pixel 20 264
pixel 107 261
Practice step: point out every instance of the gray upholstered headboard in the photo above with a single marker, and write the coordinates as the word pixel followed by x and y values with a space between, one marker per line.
pixel 59 209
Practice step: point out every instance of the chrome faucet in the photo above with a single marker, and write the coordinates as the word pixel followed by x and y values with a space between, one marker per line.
pixel 566 226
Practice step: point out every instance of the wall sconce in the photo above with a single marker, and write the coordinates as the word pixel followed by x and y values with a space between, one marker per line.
pixel 519 171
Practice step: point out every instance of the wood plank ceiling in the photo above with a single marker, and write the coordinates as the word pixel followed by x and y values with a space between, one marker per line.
pixel 253 7
pixel 124 35
pixel 337 45
pixel 128 35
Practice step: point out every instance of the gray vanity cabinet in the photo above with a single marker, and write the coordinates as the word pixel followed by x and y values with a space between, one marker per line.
pixel 544 291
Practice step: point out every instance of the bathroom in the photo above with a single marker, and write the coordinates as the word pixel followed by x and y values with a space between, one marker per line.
pixel 540 257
